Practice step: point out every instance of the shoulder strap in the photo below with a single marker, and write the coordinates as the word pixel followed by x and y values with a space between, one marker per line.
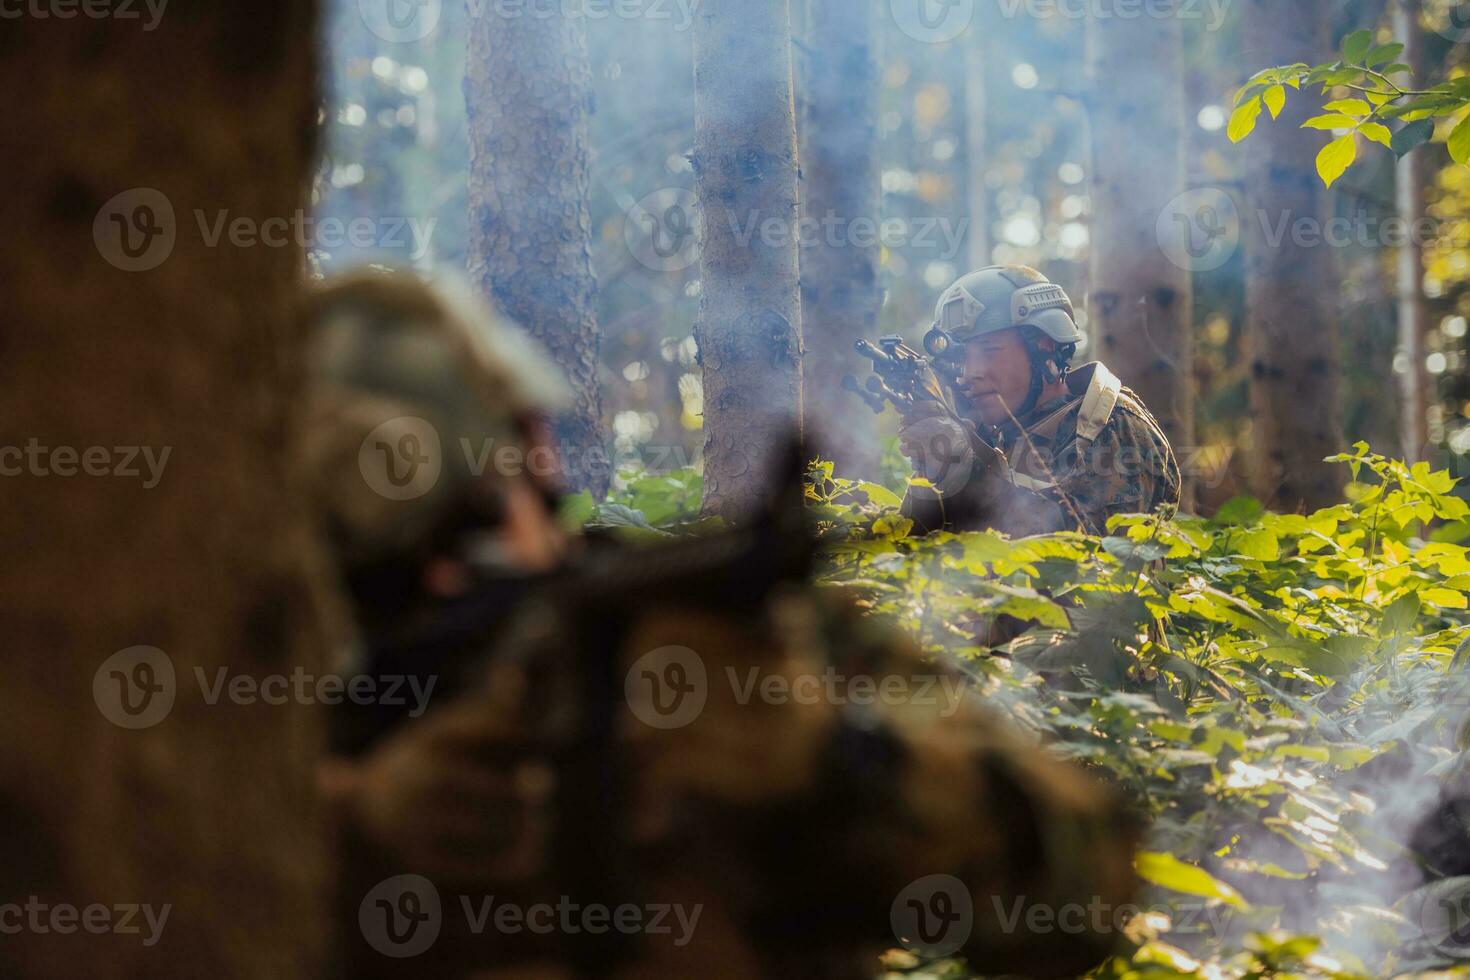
pixel 1096 408
pixel 1098 404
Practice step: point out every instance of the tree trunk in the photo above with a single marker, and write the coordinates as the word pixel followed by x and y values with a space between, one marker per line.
pixel 528 97
pixel 1414 383
pixel 840 292
pixel 976 50
pixel 128 326
pixel 750 308
pixel 1140 302
pixel 1291 286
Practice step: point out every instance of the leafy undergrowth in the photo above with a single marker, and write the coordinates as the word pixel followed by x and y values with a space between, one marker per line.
pixel 1282 696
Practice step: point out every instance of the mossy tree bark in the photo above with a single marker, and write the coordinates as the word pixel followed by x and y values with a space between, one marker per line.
pixel 1291 281
pixel 1415 386
pixel 750 309
pixel 528 98
pixel 126 139
pixel 1140 301
pixel 841 210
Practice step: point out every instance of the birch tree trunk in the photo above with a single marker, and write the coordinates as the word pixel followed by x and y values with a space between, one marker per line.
pixel 1140 302
pixel 1291 281
pixel 528 97
pixel 750 309
pixel 1414 383
pixel 841 203
pixel 130 334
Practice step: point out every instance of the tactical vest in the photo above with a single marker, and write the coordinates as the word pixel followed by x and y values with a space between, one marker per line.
pixel 1095 391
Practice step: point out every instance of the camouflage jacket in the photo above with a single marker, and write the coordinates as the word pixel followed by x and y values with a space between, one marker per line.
pixel 1074 463
pixel 929 823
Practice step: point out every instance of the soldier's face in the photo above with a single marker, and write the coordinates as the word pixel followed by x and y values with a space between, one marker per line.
pixel 997 374
pixel 529 534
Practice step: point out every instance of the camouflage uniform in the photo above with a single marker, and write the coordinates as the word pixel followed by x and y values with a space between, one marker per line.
pixel 1072 462
pixel 810 831
pixel 814 865
pixel 1060 479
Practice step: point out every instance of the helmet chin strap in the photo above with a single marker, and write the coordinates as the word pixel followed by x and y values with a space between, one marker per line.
pixel 1039 361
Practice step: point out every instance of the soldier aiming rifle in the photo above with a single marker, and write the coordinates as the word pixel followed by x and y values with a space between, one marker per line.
pixel 798 827
pixel 1005 433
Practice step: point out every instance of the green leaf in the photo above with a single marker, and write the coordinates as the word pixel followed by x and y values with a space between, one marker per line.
pixel 1336 157
pixel 627 521
pixel 1167 871
pixel 1383 53
pixel 1378 133
pixel 1135 554
pixel 1027 604
pixel 1330 121
pixel 1422 108
pixel 1351 107
pixel 1275 98
pixel 1248 90
pixel 1262 545
pixel 982 548
pixel 1414 134
pixel 1243 120
pixel 1459 141
pixel 1340 76
pixel 1355 46
pixel 894 527
pixel 880 495
pixel 576 510
pixel 1446 598
pixel 1400 616
pixel 1239 510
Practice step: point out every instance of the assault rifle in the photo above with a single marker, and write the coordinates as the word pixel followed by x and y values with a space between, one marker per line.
pixel 592 607
pixel 903 376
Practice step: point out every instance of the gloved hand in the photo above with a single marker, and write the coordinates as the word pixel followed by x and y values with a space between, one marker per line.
pixel 939 446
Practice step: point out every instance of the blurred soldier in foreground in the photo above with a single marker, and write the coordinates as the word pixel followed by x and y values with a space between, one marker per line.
pixel 786 788
pixel 1023 442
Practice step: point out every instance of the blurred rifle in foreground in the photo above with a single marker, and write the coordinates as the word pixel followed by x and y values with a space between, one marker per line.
pixel 593 606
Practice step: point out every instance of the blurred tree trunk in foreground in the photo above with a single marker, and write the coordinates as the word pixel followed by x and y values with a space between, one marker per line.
pixel 1291 280
pixel 750 310
pixel 1414 382
pixel 129 325
pixel 528 96
pixel 841 207
pixel 1140 301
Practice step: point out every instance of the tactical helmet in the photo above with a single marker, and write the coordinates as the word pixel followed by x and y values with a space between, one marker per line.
pixel 1003 296
pixel 413 389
